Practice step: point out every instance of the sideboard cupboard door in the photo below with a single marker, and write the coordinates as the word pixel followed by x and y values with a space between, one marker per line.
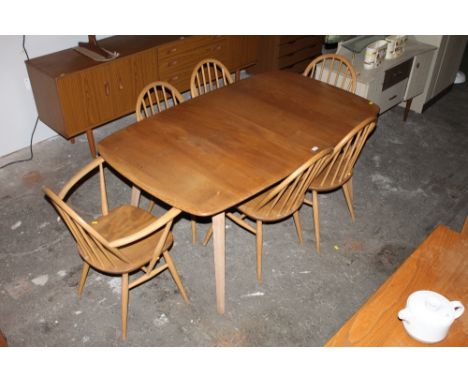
pixel 243 51
pixel 419 72
pixel 144 69
pixel 73 105
pixel 109 90
pixel 97 94
pixel 123 92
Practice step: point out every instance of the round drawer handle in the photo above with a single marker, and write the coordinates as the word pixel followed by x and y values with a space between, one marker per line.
pixel 172 63
pixel 173 50
pixel 418 65
pixel 175 78
pixel 391 98
pixel 107 88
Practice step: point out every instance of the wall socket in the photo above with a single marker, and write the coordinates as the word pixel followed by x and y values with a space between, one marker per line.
pixel 27 83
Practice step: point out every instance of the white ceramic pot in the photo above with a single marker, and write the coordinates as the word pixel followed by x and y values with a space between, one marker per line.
pixel 429 315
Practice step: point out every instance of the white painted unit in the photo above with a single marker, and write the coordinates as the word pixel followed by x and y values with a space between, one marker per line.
pixel 395 80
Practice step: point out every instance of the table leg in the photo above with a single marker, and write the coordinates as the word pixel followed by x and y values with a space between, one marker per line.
pixel 219 260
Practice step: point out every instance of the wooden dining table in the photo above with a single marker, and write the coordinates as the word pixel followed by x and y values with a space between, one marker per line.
pixel 215 151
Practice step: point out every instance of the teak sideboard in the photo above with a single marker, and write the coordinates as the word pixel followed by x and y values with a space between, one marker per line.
pixel 75 94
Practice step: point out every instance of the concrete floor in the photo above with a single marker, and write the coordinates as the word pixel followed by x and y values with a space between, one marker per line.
pixel 410 177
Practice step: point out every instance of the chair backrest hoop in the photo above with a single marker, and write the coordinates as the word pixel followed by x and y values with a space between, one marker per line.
pixel 94 248
pixel 286 197
pixel 208 75
pixel 156 97
pixel 345 154
pixel 333 69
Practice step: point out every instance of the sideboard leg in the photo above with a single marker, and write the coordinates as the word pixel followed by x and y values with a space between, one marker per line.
pixel 72 141
pixel 238 75
pixel 407 109
pixel 92 145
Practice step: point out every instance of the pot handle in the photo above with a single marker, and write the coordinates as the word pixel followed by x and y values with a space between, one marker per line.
pixel 458 308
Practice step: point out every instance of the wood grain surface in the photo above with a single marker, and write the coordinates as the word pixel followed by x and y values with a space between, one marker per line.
pixel 215 151
pixel 439 264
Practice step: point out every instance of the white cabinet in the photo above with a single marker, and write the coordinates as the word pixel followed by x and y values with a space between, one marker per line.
pixel 395 80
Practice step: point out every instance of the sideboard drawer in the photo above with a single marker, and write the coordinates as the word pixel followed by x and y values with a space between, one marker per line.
pixel 287 38
pixel 392 96
pixel 184 45
pixel 301 42
pixel 397 74
pixel 177 69
pixel 189 58
pixel 294 58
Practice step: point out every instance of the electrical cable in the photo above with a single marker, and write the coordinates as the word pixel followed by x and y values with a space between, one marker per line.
pixel 30 149
pixel 35 124
pixel 24 47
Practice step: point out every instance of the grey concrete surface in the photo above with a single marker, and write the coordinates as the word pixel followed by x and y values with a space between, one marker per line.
pixel 411 177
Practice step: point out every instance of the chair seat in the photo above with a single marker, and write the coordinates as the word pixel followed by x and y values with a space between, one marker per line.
pixel 123 221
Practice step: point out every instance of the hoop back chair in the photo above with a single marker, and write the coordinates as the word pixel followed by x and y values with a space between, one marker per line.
pixel 339 170
pixel 279 202
pixel 156 97
pixel 121 241
pixel 334 70
pixel 209 74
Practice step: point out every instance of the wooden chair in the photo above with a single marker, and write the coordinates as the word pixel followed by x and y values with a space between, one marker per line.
pixel 208 75
pixel 339 170
pixel 155 98
pixel 121 241
pixel 279 202
pixel 334 70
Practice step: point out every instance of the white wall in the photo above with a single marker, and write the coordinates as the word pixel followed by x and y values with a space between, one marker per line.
pixel 17 107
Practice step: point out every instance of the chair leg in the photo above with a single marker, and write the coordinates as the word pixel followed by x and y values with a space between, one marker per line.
pixel 208 235
pixel 151 204
pixel 194 231
pixel 350 188
pixel 135 198
pixel 84 274
pixel 297 223
pixel 348 194
pixel 259 240
pixel 124 305
pixel 175 275
pixel 316 219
